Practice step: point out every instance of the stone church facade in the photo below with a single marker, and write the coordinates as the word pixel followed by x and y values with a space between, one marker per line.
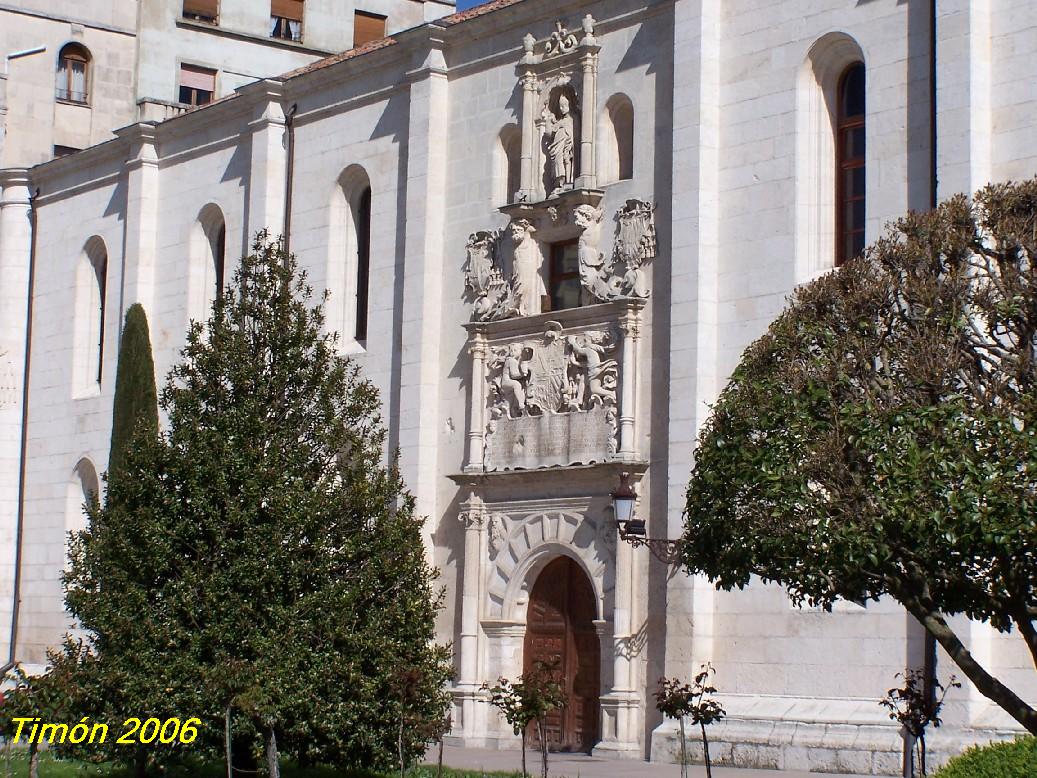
pixel 548 229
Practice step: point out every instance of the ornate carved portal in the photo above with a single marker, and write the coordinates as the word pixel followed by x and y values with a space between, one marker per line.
pixel 560 631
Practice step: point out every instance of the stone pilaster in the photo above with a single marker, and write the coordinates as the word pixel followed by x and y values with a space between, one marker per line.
pixel 15 247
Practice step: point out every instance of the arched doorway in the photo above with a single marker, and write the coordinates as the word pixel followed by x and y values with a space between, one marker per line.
pixel 560 631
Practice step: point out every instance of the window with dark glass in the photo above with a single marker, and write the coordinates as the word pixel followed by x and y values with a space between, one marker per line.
pixel 201 10
pixel 367 27
pixel 197 85
pixel 564 286
pixel 286 19
pixel 219 254
pixel 850 168
pixel 100 264
pixel 73 70
pixel 363 261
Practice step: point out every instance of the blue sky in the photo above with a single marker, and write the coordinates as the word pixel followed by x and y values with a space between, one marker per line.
pixel 463 5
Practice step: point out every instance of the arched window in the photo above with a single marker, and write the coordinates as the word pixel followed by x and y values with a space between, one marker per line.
pixel 73 73
pixel 83 488
pixel 208 261
pixel 508 156
pixel 616 159
pixel 88 346
pixel 362 221
pixel 829 198
pixel 850 169
pixel 219 258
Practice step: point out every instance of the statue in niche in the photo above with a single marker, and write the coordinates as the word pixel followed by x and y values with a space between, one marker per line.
pixel 561 148
pixel 526 281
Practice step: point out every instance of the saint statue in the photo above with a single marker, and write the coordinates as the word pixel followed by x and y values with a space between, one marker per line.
pixel 525 268
pixel 562 147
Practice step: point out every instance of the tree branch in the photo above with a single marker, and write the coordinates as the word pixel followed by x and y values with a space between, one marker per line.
pixel 989 686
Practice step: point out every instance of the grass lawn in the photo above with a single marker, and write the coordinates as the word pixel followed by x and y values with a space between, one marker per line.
pixel 16 765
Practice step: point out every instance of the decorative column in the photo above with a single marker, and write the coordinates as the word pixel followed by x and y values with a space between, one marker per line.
pixel 467 687
pixel 621 718
pixel 476 428
pixel 588 105
pixel 630 324
pixel 529 128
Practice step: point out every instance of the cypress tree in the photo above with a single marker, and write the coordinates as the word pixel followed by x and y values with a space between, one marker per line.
pixel 136 399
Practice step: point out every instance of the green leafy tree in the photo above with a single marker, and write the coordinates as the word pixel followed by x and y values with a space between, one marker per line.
pixel 694 701
pixel 135 407
pixel 53 697
pixel 527 702
pixel 258 558
pixel 880 439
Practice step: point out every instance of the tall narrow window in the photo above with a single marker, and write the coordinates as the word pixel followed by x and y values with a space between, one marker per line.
pixel 850 166
pixel 202 10
pixel 197 85
pixel 564 288
pixel 219 258
pixel 73 70
pixel 621 119
pixel 367 27
pixel 286 19
pixel 363 261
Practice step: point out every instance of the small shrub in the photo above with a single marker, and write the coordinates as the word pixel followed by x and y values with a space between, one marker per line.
pixel 1017 759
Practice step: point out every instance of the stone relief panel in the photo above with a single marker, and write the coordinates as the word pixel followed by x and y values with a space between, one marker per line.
pixel 504 269
pixel 526 534
pixel 552 400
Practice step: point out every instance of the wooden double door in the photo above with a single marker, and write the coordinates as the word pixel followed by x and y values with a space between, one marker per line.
pixel 560 631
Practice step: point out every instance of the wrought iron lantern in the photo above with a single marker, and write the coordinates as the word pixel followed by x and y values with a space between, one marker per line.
pixel 633 530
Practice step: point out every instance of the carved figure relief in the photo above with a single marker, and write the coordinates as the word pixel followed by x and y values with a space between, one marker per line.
pixel 635 245
pixel 526 279
pixel 496 533
pixel 484 280
pixel 552 399
pixel 560 135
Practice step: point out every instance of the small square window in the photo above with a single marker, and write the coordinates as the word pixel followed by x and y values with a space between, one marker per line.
pixel 197 85
pixel 201 10
pixel 286 19
pixel 367 27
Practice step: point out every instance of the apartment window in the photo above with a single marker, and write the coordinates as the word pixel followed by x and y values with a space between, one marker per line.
pixel 363 261
pixel 367 27
pixel 202 10
pixel 850 168
pixel 564 288
pixel 197 85
pixel 286 19
pixel 73 72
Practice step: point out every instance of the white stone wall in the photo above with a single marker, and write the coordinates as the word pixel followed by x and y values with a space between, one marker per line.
pixel 721 102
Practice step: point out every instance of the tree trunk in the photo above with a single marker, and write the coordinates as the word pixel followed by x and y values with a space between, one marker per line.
pixel 439 762
pixel 524 774
pixel 705 750
pixel 987 684
pixel 273 764
pixel 140 765
pixel 921 754
pixel 543 748
pixel 34 761
pixel 908 768
pixel 226 743
pixel 684 750
pixel 399 743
